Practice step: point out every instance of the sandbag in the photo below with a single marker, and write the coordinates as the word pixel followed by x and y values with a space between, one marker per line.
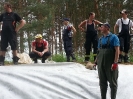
pixel 89 65
pixel 24 58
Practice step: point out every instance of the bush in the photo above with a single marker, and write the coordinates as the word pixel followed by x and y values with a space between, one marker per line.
pixel 59 58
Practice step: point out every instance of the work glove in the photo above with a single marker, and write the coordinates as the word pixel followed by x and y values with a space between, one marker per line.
pixel 114 66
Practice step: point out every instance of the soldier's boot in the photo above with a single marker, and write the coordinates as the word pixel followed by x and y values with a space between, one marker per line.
pixel 15 60
pixel 87 59
pixel 43 60
pixel 2 60
pixel 68 58
pixel 73 57
pixel 35 60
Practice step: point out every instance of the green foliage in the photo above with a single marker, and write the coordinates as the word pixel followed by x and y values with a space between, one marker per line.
pixel 130 58
pixel 62 58
pixel 43 16
pixel 59 58
pixel 79 59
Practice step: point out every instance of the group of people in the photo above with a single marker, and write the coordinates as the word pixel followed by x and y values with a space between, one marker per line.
pixel 91 36
pixel 9 36
pixel 108 49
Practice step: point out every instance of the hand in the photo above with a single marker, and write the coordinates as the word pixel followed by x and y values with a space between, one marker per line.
pixel 40 54
pixel 16 29
pixel 83 30
pixel 114 66
pixel 94 66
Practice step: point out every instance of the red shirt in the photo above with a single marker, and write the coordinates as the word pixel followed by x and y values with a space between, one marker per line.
pixel 39 44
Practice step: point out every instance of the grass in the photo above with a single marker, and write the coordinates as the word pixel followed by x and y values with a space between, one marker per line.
pixel 62 58
pixel 79 59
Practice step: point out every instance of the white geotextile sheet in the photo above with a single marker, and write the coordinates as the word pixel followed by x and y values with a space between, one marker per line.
pixel 59 81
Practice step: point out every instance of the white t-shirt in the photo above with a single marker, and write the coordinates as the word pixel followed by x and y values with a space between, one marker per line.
pixel 125 21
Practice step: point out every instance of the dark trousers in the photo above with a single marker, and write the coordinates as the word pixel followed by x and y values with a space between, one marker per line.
pixel 34 55
pixel 124 43
pixel 88 45
pixel 68 50
pixel 105 59
pixel 8 37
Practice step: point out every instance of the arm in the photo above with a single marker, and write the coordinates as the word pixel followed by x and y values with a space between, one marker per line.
pixel 34 49
pixel 73 29
pixel 116 54
pixel 132 29
pixel 115 64
pixel 97 22
pixel 115 27
pixel 45 49
pixel 118 22
pixel 1 17
pixel 81 25
pixel 22 23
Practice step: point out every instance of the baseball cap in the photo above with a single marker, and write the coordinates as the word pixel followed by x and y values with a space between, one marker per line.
pixel 65 19
pixel 38 36
pixel 123 11
pixel 106 24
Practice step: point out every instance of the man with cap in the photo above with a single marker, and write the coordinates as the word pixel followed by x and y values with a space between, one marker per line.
pixel 107 58
pixel 39 49
pixel 91 37
pixel 68 32
pixel 124 24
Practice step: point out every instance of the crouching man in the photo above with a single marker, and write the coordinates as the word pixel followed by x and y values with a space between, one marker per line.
pixel 39 49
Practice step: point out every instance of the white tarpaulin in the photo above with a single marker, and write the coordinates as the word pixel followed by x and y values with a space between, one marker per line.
pixel 59 81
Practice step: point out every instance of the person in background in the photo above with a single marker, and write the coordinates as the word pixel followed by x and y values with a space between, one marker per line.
pixel 124 24
pixel 9 32
pixel 39 49
pixel 68 32
pixel 107 61
pixel 88 26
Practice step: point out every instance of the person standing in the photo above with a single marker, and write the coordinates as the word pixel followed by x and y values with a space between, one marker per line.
pixel 124 24
pixel 68 32
pixel 88 26
pixel 107 59
pixel 39 49
pixel 9 32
